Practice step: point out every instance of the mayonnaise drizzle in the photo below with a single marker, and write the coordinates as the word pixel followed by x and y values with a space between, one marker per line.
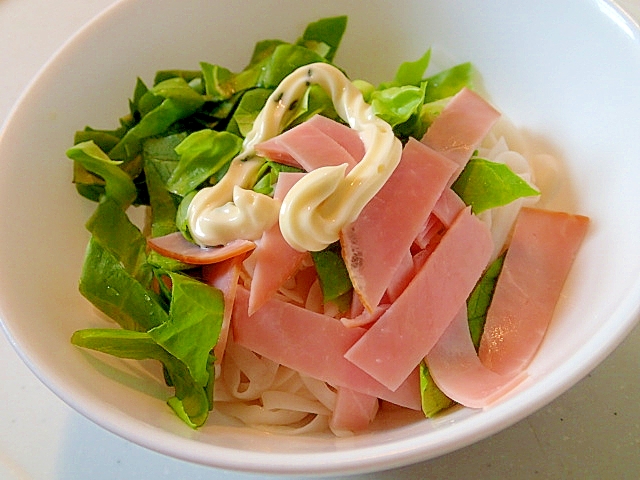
pixel 325 200
pixel 228 210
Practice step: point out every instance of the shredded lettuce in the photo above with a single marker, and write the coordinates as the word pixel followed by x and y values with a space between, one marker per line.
pixel 191 401
pixel 202 154
pixel 333 275
pixel 268 176
pixel 448 82
pixel 480 299
pixel 433 399
pixel 411 101
pixel 193 326
pixel 163 105
pixel 119 186
pixel 484 184
pixel 326 31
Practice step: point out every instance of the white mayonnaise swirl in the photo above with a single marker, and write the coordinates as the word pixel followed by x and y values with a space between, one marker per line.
pixel 325 200
pixel 228 211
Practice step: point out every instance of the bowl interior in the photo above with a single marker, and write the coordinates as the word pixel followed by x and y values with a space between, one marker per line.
pixel 566 73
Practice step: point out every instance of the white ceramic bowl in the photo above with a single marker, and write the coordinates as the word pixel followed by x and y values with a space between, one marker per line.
pixel 566 72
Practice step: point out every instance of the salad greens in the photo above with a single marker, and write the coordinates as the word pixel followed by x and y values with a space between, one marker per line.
pixel 179 136
pixel 484 184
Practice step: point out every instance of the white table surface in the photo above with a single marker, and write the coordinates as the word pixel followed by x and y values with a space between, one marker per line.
pixel 590 432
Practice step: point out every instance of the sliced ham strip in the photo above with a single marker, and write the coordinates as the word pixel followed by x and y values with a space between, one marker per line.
pixel 353 411
pixel 461 126
pixel 448 206
pixel 542 250
pixel 344 135
pixel 364 318
pixel 392 348
pixel 224 276
pixel 374 245
pixel 456 369
pixel 308 146
pixel 312 344
pixel 275 259
pixel 431 231
pixel 401 278
pixel 175 246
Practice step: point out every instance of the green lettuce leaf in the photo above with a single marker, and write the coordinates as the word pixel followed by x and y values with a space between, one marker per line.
pixel 160 160
pixel 285 59
pixel 480 299
pixel 268 176
pixel 484 184
pixel 112 228
pixel 189 76
pixel 247 110
pixel 332 272
pixel 193 326
pixel 433 399
pixel 449 82
pixel 107 284
pixel 182 220
pixel 315 101
pixel 411 73
pixel 202 154
pixel 166 103
pixel 396 105
pixel 191 401
pixel 327 32
pixel 117 183
pixel 220 82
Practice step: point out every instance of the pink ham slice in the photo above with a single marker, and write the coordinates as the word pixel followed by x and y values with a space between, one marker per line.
pixel 541 253
pixel 347 137
pixel 312 344
pixel 401 278
pixel 448 206
pixel 461 126
pixel 276 260
pixel 392 348
pixel 374 245
pixel 318 142
pixel 224 276
pixel 456 369
pixel 364 318
pixel 354 411
pixel 175 246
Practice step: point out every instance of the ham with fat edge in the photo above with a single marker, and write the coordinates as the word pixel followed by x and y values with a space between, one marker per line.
pixel 542 250
pixel 392 348
pixel 374 245
pixel 175 246
pixel 318 142
pixel 275 259
pixel 224 276
pixel 313 344
pixel 364 318
pixel 461 126
pixel 456 369
pixel 354 411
